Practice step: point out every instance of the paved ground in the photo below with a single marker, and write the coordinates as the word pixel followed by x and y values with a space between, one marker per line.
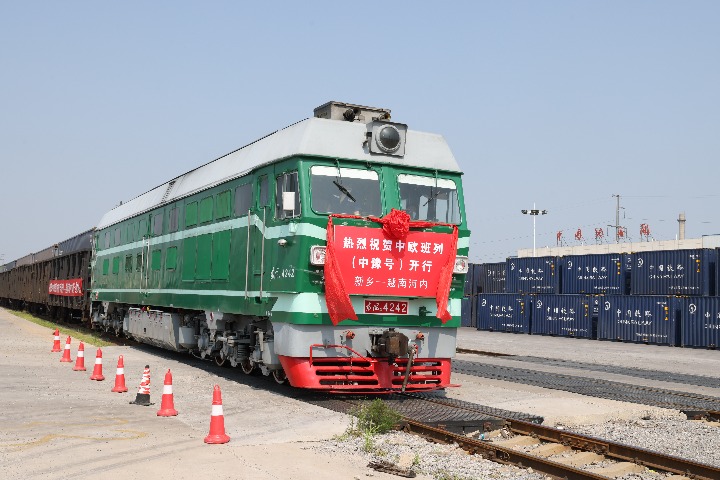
pixel 694 361
pixel 563 408
pixel 57 424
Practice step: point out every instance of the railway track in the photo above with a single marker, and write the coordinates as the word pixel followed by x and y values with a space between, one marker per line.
pixel 554 452
pixel 647 374
pixel 690 403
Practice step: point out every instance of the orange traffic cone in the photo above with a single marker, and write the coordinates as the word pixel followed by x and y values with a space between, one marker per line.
pixel 167 407
pixel 66 352
pixel 217 420
pixel 56 341
pixel 80 359
pixel 97 371
pixel 143 394
pixel 120 377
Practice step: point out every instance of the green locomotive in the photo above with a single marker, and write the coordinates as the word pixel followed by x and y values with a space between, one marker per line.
pixel 330 254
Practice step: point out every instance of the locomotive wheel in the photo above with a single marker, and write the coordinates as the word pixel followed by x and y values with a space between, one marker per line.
pixel 221 361
pixel 279 376
pixel 247 366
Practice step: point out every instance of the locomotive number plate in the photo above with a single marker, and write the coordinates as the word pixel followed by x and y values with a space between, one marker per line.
pixel 382 307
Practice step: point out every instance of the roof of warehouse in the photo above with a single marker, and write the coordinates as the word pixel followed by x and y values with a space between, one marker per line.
pixel 313 136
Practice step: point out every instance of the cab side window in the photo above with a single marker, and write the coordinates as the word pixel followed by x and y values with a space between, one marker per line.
pixel 243 199
pixel 264 191
pixel 287 196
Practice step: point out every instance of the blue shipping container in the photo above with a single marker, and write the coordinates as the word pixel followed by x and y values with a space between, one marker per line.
pixel 674 272
pixel 607 274
pixel 645 319
pixel 465 312
pixel 562 315
pixel 470 280
pixel 503 312
pixel 699 321
pixel 490 278
pixel 532 275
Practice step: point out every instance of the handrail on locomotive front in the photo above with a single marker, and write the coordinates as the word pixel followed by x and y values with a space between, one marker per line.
pixel 323 345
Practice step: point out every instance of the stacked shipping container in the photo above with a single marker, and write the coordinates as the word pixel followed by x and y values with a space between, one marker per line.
pixel 628 297
pixel 562 315
pixel 532 275
pixel 503 312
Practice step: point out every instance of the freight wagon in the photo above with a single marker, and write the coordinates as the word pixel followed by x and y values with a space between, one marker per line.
pixel 55 280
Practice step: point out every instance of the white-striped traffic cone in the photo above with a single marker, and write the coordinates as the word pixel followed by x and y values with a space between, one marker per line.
pixel 80 359
pixel 66 352
pixel 167 407
pixel 97 371
pixel 143 394
pixel 56 341
pixel 217 420
pixel 120 377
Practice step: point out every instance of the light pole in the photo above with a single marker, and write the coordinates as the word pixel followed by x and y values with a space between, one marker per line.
pixel 534 213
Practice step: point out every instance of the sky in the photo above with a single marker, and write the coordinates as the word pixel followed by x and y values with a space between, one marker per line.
pixel 561 104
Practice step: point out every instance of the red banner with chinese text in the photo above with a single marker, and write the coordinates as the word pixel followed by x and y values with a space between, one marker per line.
pixel 66 288
pixel 371 263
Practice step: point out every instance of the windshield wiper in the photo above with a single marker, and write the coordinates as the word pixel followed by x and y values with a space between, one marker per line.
pixel 432 196
pixel 344 190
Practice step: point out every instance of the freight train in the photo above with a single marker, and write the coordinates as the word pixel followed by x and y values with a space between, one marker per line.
pixel 330 254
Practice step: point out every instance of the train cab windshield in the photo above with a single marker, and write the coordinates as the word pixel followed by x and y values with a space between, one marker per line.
pixel 345 190
pixel 429 199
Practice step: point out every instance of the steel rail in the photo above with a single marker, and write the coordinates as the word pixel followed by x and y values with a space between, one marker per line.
pixel 617 451
pixel 500 454
pixel 624 392
pixel 613 450
pixel 494 452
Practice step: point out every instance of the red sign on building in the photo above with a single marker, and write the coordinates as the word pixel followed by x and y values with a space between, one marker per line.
pixel 373 264
pixel 66 288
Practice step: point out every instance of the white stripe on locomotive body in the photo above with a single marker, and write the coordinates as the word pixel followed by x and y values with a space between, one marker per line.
pixel 271 233
pixel 292 302
pixel 303 229
pixel 314 137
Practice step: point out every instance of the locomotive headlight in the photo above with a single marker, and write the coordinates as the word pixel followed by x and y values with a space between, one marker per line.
pixel 461 265
pixel 317 255
pixel 387 138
